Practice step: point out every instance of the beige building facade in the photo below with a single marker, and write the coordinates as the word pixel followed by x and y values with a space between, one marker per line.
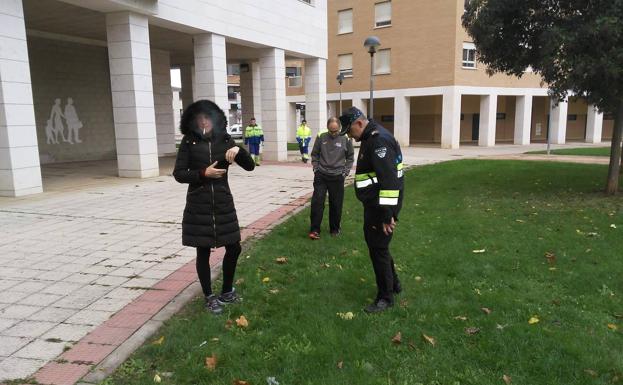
pixel 430 87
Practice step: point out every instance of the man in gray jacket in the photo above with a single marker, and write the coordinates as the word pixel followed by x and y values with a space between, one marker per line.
pixel 332 160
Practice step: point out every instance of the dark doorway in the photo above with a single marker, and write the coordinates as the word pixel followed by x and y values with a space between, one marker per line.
pixel 475 126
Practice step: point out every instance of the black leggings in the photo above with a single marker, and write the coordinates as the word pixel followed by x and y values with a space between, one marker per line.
pixel 232 252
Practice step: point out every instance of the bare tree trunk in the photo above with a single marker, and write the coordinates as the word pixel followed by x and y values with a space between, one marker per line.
pixel 615 152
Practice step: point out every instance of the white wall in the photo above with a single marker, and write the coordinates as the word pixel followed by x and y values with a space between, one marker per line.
pixel 291 25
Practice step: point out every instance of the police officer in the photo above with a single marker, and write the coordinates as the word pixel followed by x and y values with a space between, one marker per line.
pixel 379 186
pixel 254 137
pixel 303 137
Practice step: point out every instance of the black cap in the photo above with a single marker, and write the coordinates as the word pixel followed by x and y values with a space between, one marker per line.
pixel 348 117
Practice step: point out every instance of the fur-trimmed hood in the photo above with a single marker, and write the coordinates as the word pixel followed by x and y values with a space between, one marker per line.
pixel 188 123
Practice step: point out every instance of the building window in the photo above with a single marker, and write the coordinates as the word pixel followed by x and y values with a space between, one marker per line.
pixel 383 14
pixel 382 62
pixel 294 75
pixel 469 55
pixel 345 21
pixel 345 64
pixel 233 69
pixel 232 92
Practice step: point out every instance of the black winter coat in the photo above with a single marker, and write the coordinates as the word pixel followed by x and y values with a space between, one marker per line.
pixel 210 215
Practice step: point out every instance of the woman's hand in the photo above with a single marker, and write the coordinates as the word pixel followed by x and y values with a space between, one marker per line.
pixel 230 155
pixel 213 172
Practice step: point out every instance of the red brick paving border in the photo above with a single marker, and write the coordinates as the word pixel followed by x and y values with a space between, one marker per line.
pixel 54 373
pixel 97 345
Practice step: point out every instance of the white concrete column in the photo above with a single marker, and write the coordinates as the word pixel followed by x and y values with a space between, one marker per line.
pixel 211 69
pixel 558 122
pixel 273 89
pixel 523 119
pixel 361 104
pixel 488 120
pixel 316 94
pixel 402 120
pixel 292 122
pixel 20 173
pixel 250 93
pixel 132 94
pixel 451 119
pixel 163 102
pixel 187 76
pixel 332 109
pixel 594 125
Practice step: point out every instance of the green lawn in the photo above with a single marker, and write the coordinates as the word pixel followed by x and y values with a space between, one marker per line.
pixel 515 211
pixel 293 146
pixel 582 151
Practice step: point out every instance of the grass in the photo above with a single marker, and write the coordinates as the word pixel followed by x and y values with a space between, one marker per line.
pixel 293 146
pixel 582 151
pixel 515 211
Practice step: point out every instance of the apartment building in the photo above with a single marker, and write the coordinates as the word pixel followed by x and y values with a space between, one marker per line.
pixel 90 79
pixel 430 87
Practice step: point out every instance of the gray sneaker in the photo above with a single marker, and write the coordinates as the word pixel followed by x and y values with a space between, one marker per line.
pixel 229 298
pixel 212 305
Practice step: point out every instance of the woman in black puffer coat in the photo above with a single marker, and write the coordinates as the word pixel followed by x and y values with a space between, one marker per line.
pixel 210 220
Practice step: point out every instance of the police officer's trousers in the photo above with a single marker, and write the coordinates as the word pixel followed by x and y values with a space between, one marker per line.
pixel 382 261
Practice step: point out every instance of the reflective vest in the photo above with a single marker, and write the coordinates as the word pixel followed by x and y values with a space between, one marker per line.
pixel 253 131
pixel 303 132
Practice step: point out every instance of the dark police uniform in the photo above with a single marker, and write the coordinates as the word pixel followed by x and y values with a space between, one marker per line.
pixel 379 184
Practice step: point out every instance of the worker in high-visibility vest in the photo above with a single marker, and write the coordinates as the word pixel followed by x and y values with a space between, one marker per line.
pixel 303 137
pixel 254 138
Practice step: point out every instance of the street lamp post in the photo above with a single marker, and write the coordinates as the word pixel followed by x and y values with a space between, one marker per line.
pixel 371 44
pixel 340 79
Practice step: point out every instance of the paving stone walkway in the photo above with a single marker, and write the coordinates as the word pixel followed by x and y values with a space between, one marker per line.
pixel 73 257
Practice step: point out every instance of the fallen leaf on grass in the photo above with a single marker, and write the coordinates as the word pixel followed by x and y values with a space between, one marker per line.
pixel 478 291
pixel 203 343
pixel 471 331
pixel 242 322
pixel 211 362
pixel 281 260
pixel 507 379
pixel 460 318
pixel 418 278
pixel 239 281
pixel 157 378
pixel 340 364
pixel 520 221
pixel 428 339
pixel 613 327
pixel 346 316
pixel 240 382
pixel 397 339
pixel 533 320
pixel 550 257
pixel 266 279
pixel 159 341
pixel 271 381
pixel 404 303
pixel 479 251
pixel 273 291
pixel 486 310
pixel 228 324
pixel 613 226
pixel 591 372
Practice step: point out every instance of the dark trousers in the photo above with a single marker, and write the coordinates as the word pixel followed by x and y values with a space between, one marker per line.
pixel 382 261
pixel 334 185
pixel 232 252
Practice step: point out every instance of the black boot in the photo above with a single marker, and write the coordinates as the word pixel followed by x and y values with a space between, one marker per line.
pixel 378 306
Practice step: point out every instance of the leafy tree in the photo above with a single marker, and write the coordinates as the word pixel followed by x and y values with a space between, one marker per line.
pixel 574 45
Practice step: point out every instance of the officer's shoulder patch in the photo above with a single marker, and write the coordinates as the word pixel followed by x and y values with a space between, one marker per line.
pixel 381 152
